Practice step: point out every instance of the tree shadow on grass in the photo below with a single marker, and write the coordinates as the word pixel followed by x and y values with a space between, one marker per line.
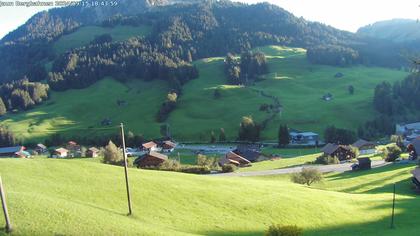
pixel 355 174
pixel 405 223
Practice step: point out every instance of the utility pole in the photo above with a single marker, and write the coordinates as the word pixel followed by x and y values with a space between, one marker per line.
pixel 4 205
pixel 126 170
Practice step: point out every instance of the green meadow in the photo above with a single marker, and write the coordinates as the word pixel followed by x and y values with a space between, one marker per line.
pixel 84 35
pixel 298 83
pixel 84 197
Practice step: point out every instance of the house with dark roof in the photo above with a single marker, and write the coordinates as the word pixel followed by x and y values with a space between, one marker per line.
pixel 365 147
pixel 151 159
pixel 235 159
pixel 342 152
pixel 308 138
pixel 250 152
pixel 11 151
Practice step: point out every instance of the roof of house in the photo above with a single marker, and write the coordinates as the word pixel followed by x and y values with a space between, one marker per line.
pixel 149 144
pixel 170 143
pixel 412 125
pixel 93 149
pixel 61 150
pixel 157 155
pixel 250 155
pixel 233 156
pixel 360 143
pixel 40 145
pixel 11 149
pixel 72 143
pixel 330 148
pixel 305 134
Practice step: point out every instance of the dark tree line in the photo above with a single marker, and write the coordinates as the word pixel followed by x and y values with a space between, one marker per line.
pixel 334 55
pixel 246 69
pixel 339 136
pixel 7 138
pixel 22 95
pixel 135 58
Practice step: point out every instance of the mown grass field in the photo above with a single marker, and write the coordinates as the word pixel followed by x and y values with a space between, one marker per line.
pixel 83 197
pixel 299 85
pixel 84 35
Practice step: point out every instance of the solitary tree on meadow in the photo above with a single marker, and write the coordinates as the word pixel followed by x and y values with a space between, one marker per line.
pixel 112 155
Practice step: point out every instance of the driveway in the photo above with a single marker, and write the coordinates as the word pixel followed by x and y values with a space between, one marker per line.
pixel 322 168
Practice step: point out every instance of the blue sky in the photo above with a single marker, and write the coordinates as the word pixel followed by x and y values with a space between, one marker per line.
pixel 343 14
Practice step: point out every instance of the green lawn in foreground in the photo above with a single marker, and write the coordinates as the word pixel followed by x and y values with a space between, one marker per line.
pixel 79 197
pixel 75 111
pixel 86 34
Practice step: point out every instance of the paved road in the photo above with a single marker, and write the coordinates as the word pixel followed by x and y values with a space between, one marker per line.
pixel 324 169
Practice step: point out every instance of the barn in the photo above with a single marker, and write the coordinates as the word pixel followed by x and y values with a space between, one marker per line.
pixel 151 159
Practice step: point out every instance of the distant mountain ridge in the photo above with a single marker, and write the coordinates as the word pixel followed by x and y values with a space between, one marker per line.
pixel 397 30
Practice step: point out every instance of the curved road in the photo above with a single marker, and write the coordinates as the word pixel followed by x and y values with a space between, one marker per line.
pixel 322 168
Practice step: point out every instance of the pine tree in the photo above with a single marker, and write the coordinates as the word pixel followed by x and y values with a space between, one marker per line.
pixel 284 136
pixel 222 135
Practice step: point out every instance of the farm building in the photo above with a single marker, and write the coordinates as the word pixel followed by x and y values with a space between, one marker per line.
pixel 150 159
pixel 73 146
pixel 414 149
pixel 308 138
pixel 150 146
pixel 365 147
pixel 168 146
pixel 235 159
pixel 250 152
pixel 41 148
pixel 60 153
pixel 92 152
pixel 11 151
pixel 342 152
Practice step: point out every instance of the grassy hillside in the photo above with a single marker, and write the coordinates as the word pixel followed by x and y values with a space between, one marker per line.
pixel 80 112
pixel 299 85
pixel 86 34
pixel 78 197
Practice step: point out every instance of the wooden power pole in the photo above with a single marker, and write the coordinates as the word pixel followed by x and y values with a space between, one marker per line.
pixel 126 170
pixel 4 205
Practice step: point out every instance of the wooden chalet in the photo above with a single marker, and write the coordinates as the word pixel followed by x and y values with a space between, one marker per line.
pixel 168 146
pixel 250 152
pixel 365 147
pixel 414 149
pixel 151 159
pixel 72 146
pixel 150 146
pixel 92 152
pixel 235 159
pixel 342 152
pixel 60 153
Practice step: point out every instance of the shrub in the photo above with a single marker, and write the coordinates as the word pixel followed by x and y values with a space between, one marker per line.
pixel 228 168
pixel 287 230
pixel 392 153
pixel 170 165
pixel 112 155
pixel 326 160
pixel 201 170
pixel 307 176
